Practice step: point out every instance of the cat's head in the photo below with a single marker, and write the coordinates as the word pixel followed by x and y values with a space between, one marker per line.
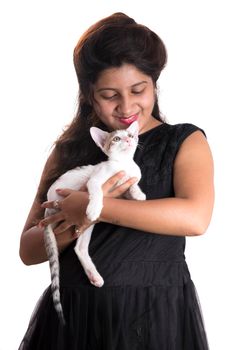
pixel 120 143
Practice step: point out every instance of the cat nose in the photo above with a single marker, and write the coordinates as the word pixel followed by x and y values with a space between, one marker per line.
pixel 128 140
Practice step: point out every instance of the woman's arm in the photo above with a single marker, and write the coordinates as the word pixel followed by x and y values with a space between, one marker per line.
pixel 189 213
pixel 32 249
pixel 186 214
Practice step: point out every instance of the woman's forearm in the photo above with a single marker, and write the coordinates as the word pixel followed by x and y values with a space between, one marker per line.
pixel 32 247
pixel 169 216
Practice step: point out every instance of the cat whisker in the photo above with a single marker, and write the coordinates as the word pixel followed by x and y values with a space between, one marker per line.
pixel 140 146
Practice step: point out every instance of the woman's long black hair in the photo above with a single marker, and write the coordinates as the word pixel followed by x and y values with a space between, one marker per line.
pixel 111 42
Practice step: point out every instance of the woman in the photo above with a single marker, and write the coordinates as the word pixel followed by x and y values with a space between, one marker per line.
pixel 148 300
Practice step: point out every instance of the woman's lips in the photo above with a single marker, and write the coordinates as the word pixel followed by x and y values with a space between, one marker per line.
pixel 129 120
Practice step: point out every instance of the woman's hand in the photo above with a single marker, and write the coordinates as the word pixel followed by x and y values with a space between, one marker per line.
pixel 72 211
pixel 74 203
pixel 111 188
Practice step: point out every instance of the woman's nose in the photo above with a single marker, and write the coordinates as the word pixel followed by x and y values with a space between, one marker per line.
pixel 125 106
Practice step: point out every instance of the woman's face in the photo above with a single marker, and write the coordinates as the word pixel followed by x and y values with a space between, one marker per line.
pixel 123 95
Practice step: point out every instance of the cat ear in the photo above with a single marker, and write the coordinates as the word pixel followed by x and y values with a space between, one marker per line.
pixel 133 128
pixel 99 136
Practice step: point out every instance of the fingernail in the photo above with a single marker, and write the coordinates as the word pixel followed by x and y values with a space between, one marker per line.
pixel 58 190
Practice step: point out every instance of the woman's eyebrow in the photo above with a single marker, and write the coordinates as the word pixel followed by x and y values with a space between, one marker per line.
pixel 134 85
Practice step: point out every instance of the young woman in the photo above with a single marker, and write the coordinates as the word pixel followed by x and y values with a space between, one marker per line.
pixel 148 300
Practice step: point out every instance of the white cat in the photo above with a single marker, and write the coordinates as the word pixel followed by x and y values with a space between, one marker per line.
pixel 119 146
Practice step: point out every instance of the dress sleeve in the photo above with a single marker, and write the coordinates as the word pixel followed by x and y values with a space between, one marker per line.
pixel 182 131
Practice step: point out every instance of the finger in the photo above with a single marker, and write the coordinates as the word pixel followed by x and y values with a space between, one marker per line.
pixel 121 189
pixel 64 192
pixel 112 181
pixel 115 178
pixel 53 219
pixel 62 227
pixel 77 232
pixel 50 204
pixel 83 188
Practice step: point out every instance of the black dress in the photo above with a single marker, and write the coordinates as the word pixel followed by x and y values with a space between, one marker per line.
pixel 148 300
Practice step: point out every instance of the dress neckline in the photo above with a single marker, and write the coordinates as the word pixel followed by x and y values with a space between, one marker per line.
pixel 157 127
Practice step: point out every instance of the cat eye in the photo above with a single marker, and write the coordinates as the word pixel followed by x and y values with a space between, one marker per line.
pixel 116 139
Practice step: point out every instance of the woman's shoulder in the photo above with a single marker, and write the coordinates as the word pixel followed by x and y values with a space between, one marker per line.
pixel 179 132
pixel 173 133
pixel 165 140
pixel 183 128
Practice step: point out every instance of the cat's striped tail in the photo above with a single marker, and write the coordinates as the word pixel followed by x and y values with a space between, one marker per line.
pixel 53 256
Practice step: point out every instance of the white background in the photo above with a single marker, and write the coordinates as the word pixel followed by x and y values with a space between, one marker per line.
pixel 38 92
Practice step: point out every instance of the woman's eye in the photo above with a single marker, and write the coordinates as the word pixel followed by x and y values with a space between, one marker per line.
pixel 116 139
pixel 109 97
pixel 137 92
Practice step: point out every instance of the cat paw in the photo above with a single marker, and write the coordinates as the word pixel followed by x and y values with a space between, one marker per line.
pixel 136 193
pixel 93 212
pixel 140 197
pixel 95 279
